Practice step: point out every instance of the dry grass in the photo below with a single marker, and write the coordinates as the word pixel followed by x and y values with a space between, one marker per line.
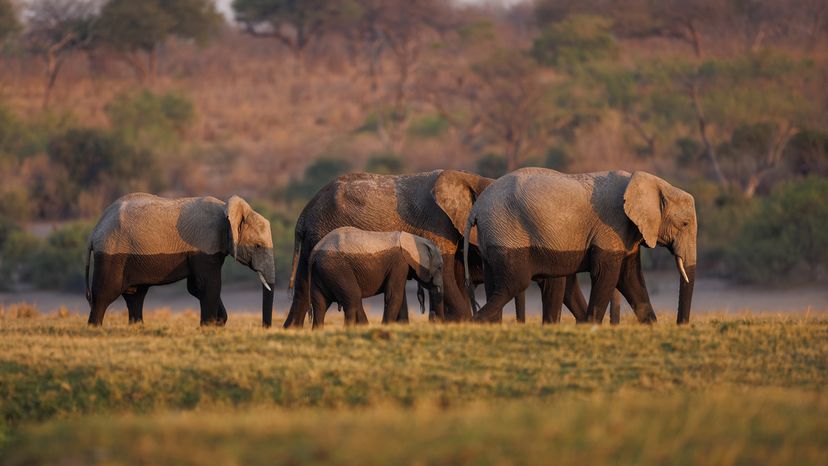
pixel 724 390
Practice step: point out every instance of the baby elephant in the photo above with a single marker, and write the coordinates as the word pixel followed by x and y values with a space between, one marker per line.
pixel 349 264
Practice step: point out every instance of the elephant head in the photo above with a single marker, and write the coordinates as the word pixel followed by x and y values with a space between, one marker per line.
pixel 424 258
pixel 666 216
pixel 250 242
pixel 455 192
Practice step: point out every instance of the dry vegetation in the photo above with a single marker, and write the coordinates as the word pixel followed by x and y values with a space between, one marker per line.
pixel 725 390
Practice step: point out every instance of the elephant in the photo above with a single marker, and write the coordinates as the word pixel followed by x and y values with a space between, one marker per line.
pixel 538 223
pixel 433 205
pixel 350 264
pixel 143 240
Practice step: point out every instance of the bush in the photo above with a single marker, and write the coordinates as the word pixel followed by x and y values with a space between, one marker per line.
pixel 491 166
pixel 54 263
pixel 317 175
pixel 786 238
pixel 148 119
pixel 430 126
pixel 575 40
pixel 385 164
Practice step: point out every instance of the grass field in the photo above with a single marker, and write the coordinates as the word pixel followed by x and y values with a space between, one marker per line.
pixel 724 390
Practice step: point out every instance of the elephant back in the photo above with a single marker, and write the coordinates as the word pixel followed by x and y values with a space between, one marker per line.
pixel 143 224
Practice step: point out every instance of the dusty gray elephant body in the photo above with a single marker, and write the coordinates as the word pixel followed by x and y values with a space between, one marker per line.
pixel 350 264
pixel 432 205
pixel 143 240
pixel 538 223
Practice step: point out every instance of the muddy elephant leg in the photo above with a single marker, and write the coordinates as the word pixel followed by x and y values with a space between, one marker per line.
pixel 574 298
pixel 222 314
pixel 354 312
pixel 605 269
pixel 301 304
pixel 615 308
pixel 135 304
pixel 402 316
pixel 552 295
pixel 204 282
pixel 520 307
pixel 107 285
pixel 393 303
pixel 501 291
pixel 320 305
pixel 458 306
pixel 632 286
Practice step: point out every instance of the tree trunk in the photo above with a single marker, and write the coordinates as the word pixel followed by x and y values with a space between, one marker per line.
pixel 708 147
pixel 152 65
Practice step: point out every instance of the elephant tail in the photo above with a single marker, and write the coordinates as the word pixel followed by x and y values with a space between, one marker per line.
pixel 469 285
pixel 297 247
pixel 88 262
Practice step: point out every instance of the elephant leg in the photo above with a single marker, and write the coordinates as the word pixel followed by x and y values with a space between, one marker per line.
pixel 552 295
pixel 353 308
pixel 393 302
pixel 135 304
pixel 501 291
pixel 615 308
pixel 604 274
pixel 222 314
pixel 458 306
pixel 520 307
pixel 301 304
pixel 320 305
pixel 402 316
pixel 204 282
pixel 107 285
pixel 574 298
pixel 632 286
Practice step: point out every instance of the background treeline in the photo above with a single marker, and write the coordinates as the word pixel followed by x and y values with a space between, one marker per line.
pixel 727 99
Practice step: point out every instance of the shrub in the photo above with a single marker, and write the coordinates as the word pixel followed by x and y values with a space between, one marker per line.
pixel 429 126
pixel 491 165
pixel 386 164
pixel 317 174
pixel 786 238
pixel 148 119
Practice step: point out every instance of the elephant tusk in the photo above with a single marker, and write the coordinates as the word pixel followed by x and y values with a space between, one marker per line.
pixel 261 277
pixel 680 263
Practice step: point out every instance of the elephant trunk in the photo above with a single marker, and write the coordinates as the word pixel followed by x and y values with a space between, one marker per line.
pixel 267 306
pixel 686 294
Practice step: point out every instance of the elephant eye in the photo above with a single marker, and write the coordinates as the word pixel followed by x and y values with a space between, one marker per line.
pixel 685 224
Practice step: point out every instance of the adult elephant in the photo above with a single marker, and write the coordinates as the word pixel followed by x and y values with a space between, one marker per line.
pixel 143 240
pixel 434 205
pixel 539 223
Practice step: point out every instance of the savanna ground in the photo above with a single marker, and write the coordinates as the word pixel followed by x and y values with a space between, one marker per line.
pixel 727 389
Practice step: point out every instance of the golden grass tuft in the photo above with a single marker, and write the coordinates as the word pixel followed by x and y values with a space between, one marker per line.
pixel 723 390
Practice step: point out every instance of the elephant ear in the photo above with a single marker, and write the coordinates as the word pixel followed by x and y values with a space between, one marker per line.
pixel 237 210
pixel 418 254
pixel 454 192
pixel 643 203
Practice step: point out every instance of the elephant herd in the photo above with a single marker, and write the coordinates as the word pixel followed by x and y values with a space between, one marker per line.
pixel 364 234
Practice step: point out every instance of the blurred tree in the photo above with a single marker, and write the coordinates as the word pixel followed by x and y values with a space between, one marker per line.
pixel 55 28
pixel 150 120
pixel 787 234
pixel 575 40
pixel 134 27
pixel 511 103
pixel 403 28
pixel 9 24
pixel 759 101
pixel 294 23
pixel 807 153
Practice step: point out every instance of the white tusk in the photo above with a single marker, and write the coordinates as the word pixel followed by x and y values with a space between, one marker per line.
pixel 261 277
pixel 680 263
